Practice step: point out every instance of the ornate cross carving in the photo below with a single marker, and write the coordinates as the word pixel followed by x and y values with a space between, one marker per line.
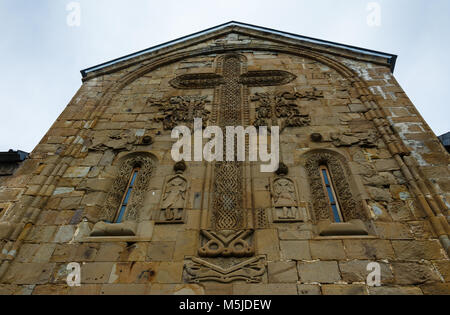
pixel 230 77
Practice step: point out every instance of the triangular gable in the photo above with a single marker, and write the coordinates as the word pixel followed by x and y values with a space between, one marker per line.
pixel 255 31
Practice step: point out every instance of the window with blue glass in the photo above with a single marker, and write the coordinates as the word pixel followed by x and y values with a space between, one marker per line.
pixel 331 195
pixel 127 196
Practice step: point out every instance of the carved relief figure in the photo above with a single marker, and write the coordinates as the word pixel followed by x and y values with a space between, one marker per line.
pixel 174 200
pixel 285 201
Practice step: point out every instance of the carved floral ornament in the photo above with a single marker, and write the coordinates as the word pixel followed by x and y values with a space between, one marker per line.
pixel 282 109
pixel 181 110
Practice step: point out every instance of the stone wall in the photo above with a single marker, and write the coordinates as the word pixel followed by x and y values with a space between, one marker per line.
pixel 58 197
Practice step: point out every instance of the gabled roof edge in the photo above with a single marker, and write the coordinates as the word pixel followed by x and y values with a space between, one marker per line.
pixel 390 57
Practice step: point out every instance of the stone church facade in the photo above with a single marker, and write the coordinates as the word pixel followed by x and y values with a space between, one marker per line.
pixel 362 179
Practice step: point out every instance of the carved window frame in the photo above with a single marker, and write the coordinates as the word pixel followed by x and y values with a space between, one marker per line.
pixel 125 201
pixel 146 164
pixel 331 185
pixel 350 207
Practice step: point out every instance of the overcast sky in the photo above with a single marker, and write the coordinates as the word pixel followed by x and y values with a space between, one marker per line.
pixel 41 55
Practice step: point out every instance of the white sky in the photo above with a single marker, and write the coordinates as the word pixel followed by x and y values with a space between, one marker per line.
pixel 41 55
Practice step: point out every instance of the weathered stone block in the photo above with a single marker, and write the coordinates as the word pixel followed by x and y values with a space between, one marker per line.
pixel 264 289
pixel 187 245
pixel 95 273
pixel 345 289
pixel 139 272
pixel 308 289
pixel 295 250
pixel 320 271
pixel 169 272
pixel 124 289
pixel 418 250
pixel 444 269
pixel 414 273
pixel 327 250
pixel 369 249
pixel 356 271
pixel 267 243
pixel 436 289
pixel 110 252
pixel 160 251
pixel 283 272
pixel 29 273
pixel 395 291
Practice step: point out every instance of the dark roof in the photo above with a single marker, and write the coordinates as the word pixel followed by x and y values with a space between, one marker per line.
pixel 445 139
pixel 13 156
pixel 391 58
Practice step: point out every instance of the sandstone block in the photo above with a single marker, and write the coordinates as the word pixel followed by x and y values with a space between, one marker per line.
pixel 264 289
pixel 414 274
pixel 267 243
pixel 418 250
pixel 321 272
pixel 395 291
pixel 282 272
pixel 356 271
pixel 308 289
pixel 295 250
pixel 333 289
pixel 327 250
pixel 369 249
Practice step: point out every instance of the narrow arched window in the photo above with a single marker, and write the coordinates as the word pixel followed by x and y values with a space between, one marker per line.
pixel 126 197
pixel 330 192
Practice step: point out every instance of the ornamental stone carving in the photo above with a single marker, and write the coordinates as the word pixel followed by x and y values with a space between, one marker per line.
pixel 362 139
pixel 227 244
pixel 351 208
pixel 282 109
pixel 181 110
pixel 173 202
pixel 112 140
pixel 115 196
pixel 197 270
pixel 285 202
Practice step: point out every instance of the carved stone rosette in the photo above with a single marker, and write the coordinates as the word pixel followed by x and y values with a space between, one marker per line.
pixel 351 208
pixel 173 201
pixel 286 207
pixel 114 198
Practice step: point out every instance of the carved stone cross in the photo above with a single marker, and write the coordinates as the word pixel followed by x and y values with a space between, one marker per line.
pixel 228 212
